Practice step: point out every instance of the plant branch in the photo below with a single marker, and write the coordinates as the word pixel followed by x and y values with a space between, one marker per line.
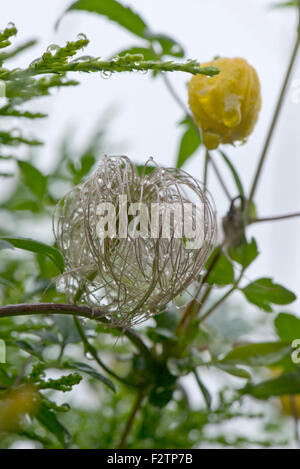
pixel 276 218
pixel 89 348
pixel 130 421
pixel 275 118
pixel 79 310
pixel 128 63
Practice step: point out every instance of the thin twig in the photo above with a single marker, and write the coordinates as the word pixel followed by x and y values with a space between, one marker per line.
pixel 79 310
pixel 130 421
pixel 218 174
pixel 276 218
pixel 22 372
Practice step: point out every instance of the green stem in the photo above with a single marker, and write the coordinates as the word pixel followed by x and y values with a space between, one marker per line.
pixel 222 299
pixel 89 348
pixel 275 119
pixel 131 418
pixel 116 65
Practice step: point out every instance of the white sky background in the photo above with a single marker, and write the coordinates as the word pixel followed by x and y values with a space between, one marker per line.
pixel 146 123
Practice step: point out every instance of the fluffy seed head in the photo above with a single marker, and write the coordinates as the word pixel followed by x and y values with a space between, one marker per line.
pixel 137 267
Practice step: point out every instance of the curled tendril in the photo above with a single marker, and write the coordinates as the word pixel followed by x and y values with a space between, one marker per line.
pixel 131 278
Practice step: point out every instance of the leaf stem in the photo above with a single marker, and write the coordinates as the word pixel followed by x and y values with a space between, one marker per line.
pixel 131 418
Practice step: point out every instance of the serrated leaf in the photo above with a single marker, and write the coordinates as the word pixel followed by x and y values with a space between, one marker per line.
pixel 245 253
pixel 190 142
pixel 33 178
pixel 287 383
pixel 259 354
pixel 263 292
pixel 37 247
pixel 116 12
pixel 222 273
pixel 92 372
pixel 287 326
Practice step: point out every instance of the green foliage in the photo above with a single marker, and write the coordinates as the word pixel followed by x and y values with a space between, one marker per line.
pixel 287 383
pixel 119 366
pixel 287 326
pixel 264 292
pixel 244 254
pixel 223 272
pixel 262 354
pixel 189 143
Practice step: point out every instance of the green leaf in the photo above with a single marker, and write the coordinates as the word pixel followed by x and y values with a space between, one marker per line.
pixel 116 12
pixel 49 420
pixel 287 383
pixel 31 348
pixel 37 247
pixel 222 273
pixel 245 253
pixel 67 329
pixel 168 45
pixel 190 142
pixel 234 370
pixel 259 354
pixel 33 179
pixel 92 372
pixel 205 392
pixel 234 173
pixel 263 292
pixel 287 326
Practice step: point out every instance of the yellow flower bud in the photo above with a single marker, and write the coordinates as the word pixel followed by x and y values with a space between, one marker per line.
pixel 225 106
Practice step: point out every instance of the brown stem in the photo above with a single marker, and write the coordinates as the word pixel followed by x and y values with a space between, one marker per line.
pixel 276 218
pixel 130 421
pixel 79 310
pixel 51 308
pixel 190 308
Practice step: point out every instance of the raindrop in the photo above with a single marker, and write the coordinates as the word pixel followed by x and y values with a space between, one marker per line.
pixel 11 25
pixel 106 74
pixel 60 285
pixel 53 48
pixel 81 37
